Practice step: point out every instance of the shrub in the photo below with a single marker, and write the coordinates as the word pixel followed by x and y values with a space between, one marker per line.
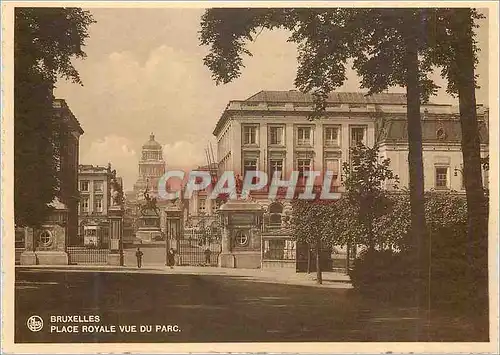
pixel 385 275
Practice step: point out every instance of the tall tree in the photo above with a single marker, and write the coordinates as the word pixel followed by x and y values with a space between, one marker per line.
pixel 455 51
pixel 386 44
pixel 45 42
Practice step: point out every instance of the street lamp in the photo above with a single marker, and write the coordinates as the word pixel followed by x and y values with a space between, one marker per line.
pixel 461 171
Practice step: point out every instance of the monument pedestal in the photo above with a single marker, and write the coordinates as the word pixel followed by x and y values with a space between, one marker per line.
pixel 149 229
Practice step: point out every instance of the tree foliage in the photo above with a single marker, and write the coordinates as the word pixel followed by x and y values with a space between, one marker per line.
pixel 46 40
pixel 365 178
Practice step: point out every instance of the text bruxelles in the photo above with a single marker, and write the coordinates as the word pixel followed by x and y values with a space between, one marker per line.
pixel 75 319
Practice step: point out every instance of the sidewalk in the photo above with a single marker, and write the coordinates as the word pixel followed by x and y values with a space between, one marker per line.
pixel 280 276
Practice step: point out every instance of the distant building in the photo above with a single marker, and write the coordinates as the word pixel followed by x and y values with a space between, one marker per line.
pixel 151 168
pixel 95 199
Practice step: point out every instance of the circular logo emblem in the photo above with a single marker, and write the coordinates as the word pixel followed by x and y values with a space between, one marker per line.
pixel 35 323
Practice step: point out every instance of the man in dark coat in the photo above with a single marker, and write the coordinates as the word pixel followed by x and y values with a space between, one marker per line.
pixel 207 256
pixel 138 255
pixel 171 257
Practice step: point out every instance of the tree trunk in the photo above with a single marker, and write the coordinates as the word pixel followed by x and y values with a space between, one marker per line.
pixel 477 209
pixel 348 255
pixel 308 259
pixel 319 276
pixel 371 238
pixel 415 160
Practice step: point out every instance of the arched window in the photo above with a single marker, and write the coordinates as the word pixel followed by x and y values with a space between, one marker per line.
pixel 275 214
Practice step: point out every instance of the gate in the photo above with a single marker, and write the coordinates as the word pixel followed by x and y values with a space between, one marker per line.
pixel 194 245
pixel 83 255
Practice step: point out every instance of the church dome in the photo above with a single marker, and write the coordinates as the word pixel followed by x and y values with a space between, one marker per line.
pixel 151 144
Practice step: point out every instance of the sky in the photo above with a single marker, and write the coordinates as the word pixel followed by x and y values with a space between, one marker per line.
pixel 144 73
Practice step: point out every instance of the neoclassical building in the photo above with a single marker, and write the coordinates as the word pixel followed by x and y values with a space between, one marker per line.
pixel 270 131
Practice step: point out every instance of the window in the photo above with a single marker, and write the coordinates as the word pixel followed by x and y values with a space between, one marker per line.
pixel 98 204
pixel 333 166
pixel 304 136
pixel 98 186
pixel 202 205
pixel 84 185
pixel 275 165
pixel 302 166
pixel 331 136
pixel 249 135
pixel 84 204
pixel 357 136
pixel 275 212
pixel 441 177
pixel 249 165
pixel 276 135
pixel 215 205
pixel 45 238
pixel 241 238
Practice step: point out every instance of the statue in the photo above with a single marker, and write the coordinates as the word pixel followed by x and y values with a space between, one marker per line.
pixel 150 204
pixel 116 191
pixel 238 186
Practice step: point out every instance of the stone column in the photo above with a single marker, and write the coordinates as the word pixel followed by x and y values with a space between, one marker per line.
pixel 290 147
pixel 115 235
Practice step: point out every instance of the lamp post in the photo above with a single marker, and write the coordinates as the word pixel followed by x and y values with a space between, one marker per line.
pixel 461 171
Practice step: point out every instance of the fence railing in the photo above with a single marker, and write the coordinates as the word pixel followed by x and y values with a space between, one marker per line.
pixel 83 255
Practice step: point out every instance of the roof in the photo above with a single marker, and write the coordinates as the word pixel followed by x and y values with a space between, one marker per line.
pixel 333 97
pixel 432 131
pixel 62 109
pixel 151 143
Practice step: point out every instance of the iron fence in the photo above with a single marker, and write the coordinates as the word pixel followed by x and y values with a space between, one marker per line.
pixel 199 247
pixel 84 255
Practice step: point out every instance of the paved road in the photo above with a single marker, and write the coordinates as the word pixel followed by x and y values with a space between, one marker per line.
pixel 217 308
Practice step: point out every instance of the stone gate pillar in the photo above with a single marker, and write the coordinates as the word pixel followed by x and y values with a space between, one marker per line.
pixel 28 256
pixel 241 234
pixel 115 215
pixel 46 245
pixel 174 229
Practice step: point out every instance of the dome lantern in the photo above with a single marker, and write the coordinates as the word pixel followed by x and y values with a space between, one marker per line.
pixel 151 143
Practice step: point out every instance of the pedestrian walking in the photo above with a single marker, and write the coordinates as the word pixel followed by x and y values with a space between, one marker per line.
pixel 138 255
pixel 207 256
pixel 171 257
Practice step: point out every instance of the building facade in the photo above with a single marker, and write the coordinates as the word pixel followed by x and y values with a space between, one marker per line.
pixel 47 243
pixel 68 156
pixel 271 131
pixel 95 186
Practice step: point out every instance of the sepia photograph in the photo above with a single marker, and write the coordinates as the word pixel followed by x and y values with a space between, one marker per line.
pixel 318 178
